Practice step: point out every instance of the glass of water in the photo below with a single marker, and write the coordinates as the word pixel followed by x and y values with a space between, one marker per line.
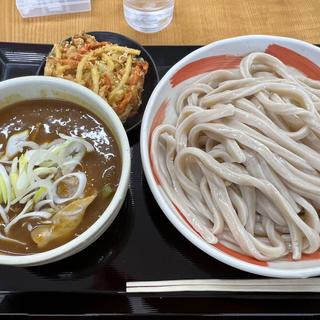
pixel 148 15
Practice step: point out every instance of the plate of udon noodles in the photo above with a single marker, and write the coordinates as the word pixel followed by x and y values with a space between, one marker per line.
pixel 230 145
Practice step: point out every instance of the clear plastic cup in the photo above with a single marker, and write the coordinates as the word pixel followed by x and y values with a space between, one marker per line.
pixel 148 15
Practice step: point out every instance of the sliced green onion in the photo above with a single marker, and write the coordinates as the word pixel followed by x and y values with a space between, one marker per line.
pixel 29 144
pixel 14 143
pixel 32 188
pixel 82 180
pixel 107 191
pixel 14 176
pixel 22 183
pixel 4 215
pixel 88 145
pixel 27 207
pixel 33 214
pixel 39 194
pixel 43 203
pixel 2 237
pixel 5 186
pixel 44 171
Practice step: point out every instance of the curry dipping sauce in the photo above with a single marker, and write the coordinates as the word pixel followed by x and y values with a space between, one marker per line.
pixel 45 120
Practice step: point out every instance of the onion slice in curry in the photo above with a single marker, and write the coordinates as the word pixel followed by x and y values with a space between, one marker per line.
pixel 63 222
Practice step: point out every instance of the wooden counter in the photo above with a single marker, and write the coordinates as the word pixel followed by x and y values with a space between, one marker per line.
pixel 195 21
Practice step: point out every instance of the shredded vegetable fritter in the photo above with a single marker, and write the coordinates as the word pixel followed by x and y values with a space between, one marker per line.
pixel 114 72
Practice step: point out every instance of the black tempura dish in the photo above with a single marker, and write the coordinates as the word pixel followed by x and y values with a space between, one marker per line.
pixel 151 79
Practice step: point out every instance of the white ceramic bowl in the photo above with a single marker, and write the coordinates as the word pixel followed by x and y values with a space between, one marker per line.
pixel 36 87
pixel 160 109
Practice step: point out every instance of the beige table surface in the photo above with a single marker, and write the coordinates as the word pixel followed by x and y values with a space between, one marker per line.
pixel 195 21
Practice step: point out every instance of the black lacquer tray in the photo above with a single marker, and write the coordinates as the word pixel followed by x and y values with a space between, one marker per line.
pixel 140 245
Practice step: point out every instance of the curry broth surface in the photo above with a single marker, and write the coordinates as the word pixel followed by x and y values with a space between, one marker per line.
pixel 44 119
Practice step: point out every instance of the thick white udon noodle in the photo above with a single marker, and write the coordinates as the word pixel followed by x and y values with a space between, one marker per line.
pixel 242 162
